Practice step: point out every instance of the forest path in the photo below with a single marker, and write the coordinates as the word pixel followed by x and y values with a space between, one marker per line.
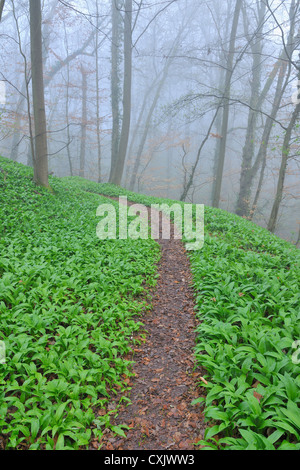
pixel 161 416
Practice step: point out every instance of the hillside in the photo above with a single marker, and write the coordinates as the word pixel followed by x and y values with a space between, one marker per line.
pixel 70 313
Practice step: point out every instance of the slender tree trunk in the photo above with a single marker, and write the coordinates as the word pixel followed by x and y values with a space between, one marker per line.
pixel 218 122
pixel 161 84
pixel 115 84
pixel 68 107
pixel 98 130
pixel 259 186
pixel 216 152
pixel 17 124
pixel 68 122
pixel 249 170
pixel 225 117
pixel 119 165
pixel 190 179
pixel 2 3
pixel 41 150
pixel 298 239
pixel 137 126
pixel 83 122
pixel 262 152
pixel 146 129
pixel 49 76
pixel 282 172
pixel 243 201
pixel 24 96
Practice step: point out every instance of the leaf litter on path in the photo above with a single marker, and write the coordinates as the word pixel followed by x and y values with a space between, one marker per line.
pixel 161 416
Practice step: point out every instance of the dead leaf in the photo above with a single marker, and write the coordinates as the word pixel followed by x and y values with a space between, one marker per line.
pixel 258 396
pixel 203 380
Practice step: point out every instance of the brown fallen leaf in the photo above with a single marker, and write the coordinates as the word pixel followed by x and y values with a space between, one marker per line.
pixel 258 396
pixel 184 445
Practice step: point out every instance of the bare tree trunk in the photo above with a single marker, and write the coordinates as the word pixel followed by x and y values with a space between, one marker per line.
pixel 262 152
pixel 225 117
pixel 24 95
pixel 118 168
pixel 17 123
pixel 41 150
pixel 68 122
pixel 218 125
pixel 115 84
pixel 68 107
pixel 298 239
pixel 146 129
pixel 249 170
pixel 161 83
pixel 243 201
pixel 83 122
pixel 137 126
pixel 282 172
pixel 98 130
pixel 2 3
pixel 192 173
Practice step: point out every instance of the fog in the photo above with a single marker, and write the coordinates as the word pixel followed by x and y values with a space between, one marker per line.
pixel 185 99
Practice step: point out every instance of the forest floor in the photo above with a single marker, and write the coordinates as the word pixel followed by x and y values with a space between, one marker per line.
pixel 161 415
pixel 201 346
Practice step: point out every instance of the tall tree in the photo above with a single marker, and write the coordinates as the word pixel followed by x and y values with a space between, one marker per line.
pixel 161 83
pixel 285 154
pixel 250 168
pixel 98 130
pixel 262 152
pixel 115 81
pixel 2 3
pixel 226 105
pixel 83 121
pixel 118 167
pixel 40 128
pixel 49 76
pixel 243 201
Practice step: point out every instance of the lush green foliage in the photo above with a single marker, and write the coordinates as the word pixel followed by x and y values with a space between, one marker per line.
pixel 246 284
pixel 69 306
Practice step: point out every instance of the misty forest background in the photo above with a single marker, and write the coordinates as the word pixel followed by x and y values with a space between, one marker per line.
pixel 184 99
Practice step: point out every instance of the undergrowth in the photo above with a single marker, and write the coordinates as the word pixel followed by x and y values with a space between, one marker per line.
pixel 69 302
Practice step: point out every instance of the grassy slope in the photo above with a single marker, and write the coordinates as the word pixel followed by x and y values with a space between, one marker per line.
pixel 67 306
pixel 246 285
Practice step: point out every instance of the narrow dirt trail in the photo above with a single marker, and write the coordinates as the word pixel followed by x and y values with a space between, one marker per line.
pixel 161 416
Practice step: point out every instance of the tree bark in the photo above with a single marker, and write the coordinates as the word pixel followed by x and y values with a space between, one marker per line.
pixel 67 111
pixel 115 84
pixel 22 99
pixel 161 83
pixel 98 130
pixel 189 183
pixel 262 152
pixel 249 169
pixel 83 122
pixel 146 129
pixel 243 201
pixel 225 117
pixel 41 150
pixel 2 3
pixel 282 172
pixel 118 168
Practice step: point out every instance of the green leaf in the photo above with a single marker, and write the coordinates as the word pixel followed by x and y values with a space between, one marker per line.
pixel 35 426
pixel 119 431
